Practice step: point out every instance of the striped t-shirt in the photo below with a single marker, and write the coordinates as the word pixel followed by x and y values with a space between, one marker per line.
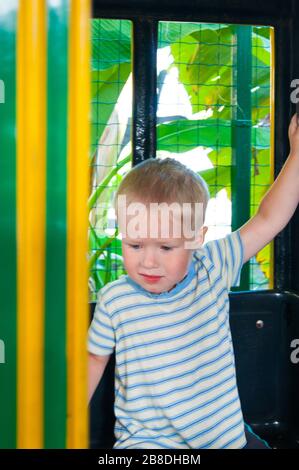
pixel 175 379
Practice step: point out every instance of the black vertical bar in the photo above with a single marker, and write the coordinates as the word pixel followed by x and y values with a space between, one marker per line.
pixel 144 89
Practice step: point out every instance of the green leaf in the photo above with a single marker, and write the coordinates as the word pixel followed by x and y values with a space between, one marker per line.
pixel 171 31
pixel 207 54
pixel 183 135
pixel 261 177
pixel 222 156
pixel 217 179
pixel 201 58
pixel 111 43
pixel 103 185
pixel 262 31
pixel 105 88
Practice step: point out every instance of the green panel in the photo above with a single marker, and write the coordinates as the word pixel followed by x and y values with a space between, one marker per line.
pixel 8 278
pixel 55 321
pixel 241 137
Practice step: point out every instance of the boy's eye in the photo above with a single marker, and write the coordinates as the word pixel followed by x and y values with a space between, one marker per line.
pixel 135 247
pixel 166 248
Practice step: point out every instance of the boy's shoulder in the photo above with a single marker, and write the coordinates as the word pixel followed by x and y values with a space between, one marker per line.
pixel 113 288
pixel 225 250
pixel 227 245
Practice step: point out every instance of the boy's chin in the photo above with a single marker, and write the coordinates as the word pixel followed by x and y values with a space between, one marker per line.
pixel 152 290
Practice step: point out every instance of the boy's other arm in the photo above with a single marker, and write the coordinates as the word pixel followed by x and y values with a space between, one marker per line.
pixel 96 368
pixel 279 203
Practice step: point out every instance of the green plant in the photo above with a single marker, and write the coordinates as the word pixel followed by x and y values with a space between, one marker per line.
pixel 195 49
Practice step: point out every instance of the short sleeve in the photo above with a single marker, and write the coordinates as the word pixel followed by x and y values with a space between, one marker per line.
pixel 234 258
pixel 227 255
pixel 101 336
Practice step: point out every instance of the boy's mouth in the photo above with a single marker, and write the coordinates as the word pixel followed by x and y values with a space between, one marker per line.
pixel 150 278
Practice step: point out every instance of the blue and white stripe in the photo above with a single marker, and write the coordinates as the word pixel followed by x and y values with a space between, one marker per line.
pixel 175 381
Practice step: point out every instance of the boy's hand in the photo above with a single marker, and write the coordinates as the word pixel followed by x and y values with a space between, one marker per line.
pixel 294 134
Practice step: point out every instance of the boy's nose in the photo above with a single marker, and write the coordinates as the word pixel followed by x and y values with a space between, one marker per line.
pixel 149 259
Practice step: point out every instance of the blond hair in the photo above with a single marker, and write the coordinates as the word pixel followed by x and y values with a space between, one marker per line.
pixel 163 181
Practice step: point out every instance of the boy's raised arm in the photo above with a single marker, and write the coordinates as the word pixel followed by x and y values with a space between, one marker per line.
pixel 279 203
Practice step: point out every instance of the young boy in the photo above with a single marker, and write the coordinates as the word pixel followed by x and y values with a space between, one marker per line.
pixel 168 318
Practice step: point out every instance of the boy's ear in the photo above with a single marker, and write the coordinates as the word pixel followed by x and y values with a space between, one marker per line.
pixel 201 236
pixel 204 230
pixel 199 239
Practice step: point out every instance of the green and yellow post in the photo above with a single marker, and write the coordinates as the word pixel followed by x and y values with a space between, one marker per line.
pixel 44 144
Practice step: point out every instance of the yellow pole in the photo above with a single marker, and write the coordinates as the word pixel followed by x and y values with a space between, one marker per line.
pixel 31 125
pixel 77 246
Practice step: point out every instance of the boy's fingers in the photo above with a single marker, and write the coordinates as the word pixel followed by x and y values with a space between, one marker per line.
pixel 293 131
pixel 294 122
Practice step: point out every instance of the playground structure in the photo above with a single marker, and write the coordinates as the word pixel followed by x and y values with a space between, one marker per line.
pixel 44 173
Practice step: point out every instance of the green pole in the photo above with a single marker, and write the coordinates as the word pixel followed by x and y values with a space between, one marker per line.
pixel 8 246
pixel 55 403
pixel 241 135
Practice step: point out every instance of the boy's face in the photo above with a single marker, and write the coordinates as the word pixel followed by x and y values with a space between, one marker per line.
pixel 157 263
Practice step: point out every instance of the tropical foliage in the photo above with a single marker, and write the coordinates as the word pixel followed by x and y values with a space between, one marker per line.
pixel 205 58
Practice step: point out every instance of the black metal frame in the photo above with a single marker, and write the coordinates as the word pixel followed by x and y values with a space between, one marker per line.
pixel 282 15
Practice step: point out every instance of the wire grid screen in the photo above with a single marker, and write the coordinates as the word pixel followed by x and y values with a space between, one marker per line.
pixel 262 171
pixel 196 69
pixel 111 148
